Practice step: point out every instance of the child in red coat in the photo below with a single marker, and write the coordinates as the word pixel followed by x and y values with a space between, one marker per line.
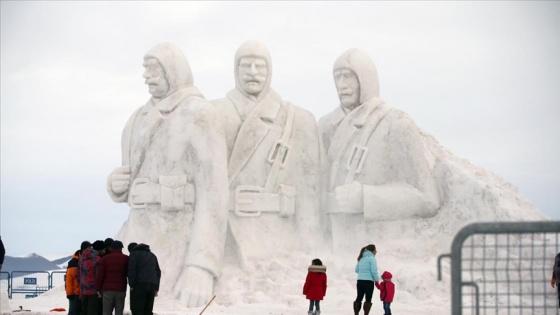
pixel 315 286
pixel 386 291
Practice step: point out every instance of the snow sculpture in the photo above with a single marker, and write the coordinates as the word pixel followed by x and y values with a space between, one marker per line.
pixel 377 165
pixel 273 164
pixel 174 177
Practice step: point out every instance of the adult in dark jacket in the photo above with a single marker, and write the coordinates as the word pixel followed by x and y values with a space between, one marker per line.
pixel 555 281
pixel 143 277
pixel 110 281
pixel 73 285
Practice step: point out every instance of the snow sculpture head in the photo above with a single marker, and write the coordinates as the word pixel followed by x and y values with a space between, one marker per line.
pixel 355 78
pixel 166 70
pixel 253 69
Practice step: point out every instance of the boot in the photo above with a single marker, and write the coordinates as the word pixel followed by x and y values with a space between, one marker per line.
pixel 317 312
pixel 367 307
pixel 357 306
pixel 310 313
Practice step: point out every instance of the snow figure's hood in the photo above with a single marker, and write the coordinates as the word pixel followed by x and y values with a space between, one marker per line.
pixel 177 69
pixel 359 61
pixel 253 48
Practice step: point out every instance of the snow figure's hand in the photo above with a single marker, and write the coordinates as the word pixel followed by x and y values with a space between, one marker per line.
pixel 194 287
pixel 120 179
pixel 349 197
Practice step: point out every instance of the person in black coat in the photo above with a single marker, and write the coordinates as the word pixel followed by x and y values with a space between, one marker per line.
pixel 2 253
pixel 144 275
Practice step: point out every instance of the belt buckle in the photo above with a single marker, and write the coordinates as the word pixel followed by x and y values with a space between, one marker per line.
pixel 136 182
pixel 239 200
pixel 357 158
pixel 279 148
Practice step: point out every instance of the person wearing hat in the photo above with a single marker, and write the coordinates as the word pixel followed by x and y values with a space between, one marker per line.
pixel 88 263
pixel 110 281
pixel 386 291
pixel 72 285
pixel 108 241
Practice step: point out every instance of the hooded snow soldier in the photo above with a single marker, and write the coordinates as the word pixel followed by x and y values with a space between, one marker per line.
pixel 174 177
pixel 377 164
pixel 273 163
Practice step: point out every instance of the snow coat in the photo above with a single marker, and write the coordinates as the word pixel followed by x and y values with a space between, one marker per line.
pixel 386 288
pixel 88 264
pixel 315 287
pixel 366 268
pixel 112 272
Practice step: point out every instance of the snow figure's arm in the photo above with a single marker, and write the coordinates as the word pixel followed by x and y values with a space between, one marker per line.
pixel 303 172
pixel 209 225
pixel 118 181
pixel 409 188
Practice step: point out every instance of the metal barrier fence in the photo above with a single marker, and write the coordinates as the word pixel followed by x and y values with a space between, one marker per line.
pixel 504 268
pixel 29 284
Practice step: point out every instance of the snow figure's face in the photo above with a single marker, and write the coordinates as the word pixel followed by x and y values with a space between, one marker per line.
pixel 154 76
pixel 348 88
pixel 252 74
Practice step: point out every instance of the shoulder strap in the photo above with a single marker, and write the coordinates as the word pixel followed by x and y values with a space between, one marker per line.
pixel 279 152
pixel 359 151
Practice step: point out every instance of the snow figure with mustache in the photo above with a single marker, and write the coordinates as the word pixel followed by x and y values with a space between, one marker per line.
pixel 174 177
pixel 273 167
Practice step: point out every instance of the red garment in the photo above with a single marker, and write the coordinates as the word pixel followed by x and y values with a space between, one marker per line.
pixel 315 286
pixel 111 275
pixel 87 269
pixel 386 290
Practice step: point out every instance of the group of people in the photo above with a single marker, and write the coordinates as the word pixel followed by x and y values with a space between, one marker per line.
pixel 252 164
pixel 98 274
pixel 315 287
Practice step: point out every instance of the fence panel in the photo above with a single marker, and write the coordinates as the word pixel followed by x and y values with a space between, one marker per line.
pixel 29 284
pixel 504 268
pixel 58 278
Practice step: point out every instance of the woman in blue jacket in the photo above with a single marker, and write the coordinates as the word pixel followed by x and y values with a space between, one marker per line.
pixel 367 276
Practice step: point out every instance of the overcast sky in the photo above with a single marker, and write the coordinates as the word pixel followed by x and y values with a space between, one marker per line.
pixel 482 77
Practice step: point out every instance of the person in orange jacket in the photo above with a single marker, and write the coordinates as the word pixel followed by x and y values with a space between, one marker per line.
pixel 386 291
pixel 72 285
